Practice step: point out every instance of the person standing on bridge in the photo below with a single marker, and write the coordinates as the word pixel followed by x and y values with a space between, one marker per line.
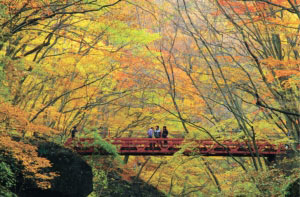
pixel 157 132
pixel 74 131
pixel 150 133
pixel 165 133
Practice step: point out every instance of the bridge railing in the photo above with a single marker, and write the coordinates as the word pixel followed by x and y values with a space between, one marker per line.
pixel 207 147
pixel 168 146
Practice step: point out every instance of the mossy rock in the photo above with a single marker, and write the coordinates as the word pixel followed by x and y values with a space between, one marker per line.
pixel 293 189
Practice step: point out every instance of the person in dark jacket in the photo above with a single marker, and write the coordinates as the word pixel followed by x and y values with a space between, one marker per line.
pixel 74 131
pixel 165 133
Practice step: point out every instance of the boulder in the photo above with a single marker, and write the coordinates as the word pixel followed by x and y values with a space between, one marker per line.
pixel 76 177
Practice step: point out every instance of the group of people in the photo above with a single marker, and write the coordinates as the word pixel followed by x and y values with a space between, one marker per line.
pixel 151 132
pixel 157 133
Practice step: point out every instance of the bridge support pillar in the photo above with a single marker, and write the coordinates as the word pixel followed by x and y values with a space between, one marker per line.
pixel 126 158
pixel 271 159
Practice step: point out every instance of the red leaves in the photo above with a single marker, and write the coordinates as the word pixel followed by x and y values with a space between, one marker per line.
pixel 238 7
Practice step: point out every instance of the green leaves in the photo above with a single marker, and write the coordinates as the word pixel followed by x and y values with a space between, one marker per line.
pixel 7 177
pixel 106 146
pixel 4 90
pixel 122 34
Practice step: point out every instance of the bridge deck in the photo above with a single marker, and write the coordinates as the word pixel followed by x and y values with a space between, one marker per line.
pixel 165 147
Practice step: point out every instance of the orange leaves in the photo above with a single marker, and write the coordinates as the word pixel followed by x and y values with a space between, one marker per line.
pixel 33 4
pixel 238 7
pixel 12 118
pixel 14 122
pixel 28 156
pixel 40 130
pixel 285 70
pixel 275 63
pixel 224 58
pixel 286 73
pixel 125 80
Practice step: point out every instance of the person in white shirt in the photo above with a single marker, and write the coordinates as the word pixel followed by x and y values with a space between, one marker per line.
pixel 150 132
pixel 157 132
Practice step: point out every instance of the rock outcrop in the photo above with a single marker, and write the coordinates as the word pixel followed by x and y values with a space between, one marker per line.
pixel 76 177
pixel 75 180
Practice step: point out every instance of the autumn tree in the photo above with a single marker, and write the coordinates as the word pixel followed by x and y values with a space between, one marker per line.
pixel 231 56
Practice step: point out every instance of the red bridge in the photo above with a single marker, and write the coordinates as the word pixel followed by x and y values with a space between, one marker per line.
pixel 164 147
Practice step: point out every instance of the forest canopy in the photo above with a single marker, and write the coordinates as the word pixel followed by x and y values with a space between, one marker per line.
pixel 207 69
